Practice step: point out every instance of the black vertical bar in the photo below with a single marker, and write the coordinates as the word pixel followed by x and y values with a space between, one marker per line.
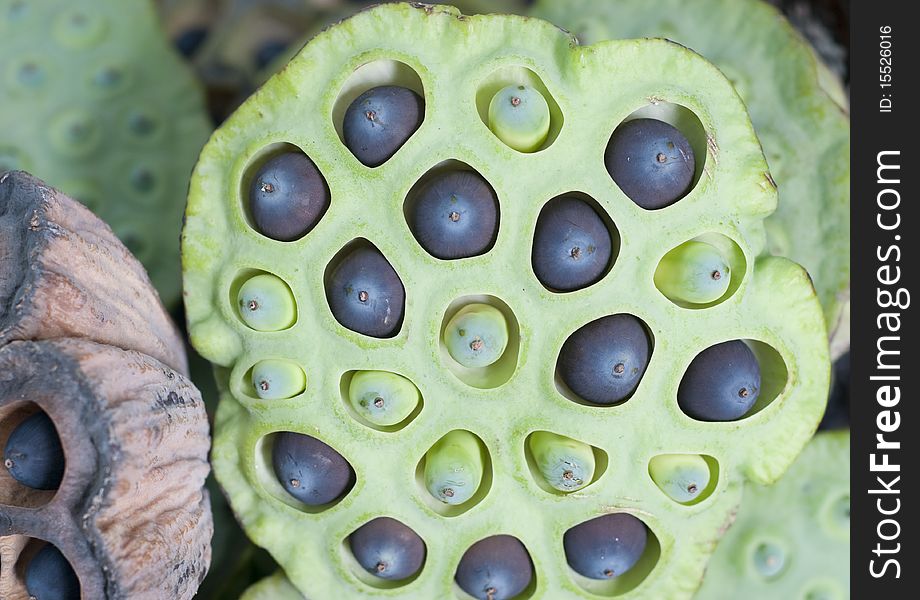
pixel 885 259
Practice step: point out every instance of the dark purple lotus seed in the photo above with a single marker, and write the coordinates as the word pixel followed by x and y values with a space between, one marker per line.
pixel 310 470
pixel 287 197
pixel 365 294
pixel 496 568
pixel 379 122
pixel 605 547
pixel 571 246
pixel 651 161
pixel 455 215
pixel 50 577
pixel 33 454
pixel 388 549
pixel 721 384
pixel 603 361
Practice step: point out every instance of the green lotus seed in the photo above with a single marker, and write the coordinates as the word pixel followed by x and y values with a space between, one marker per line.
pixel 566 464
pixel 519 116
pixel 769 559
pixel 266 303
pixel 453 467
pixel 477 335
pixel 277 379
pixel 694 272
pixel 381 397
pixel 681 476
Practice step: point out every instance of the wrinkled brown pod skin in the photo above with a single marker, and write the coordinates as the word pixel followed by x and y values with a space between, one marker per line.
pixel 64 274
pixel 83 337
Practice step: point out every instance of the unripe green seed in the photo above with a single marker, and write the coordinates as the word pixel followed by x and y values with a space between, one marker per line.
pixel 519 116
pixel 477 335
pixel 381 397
pixel 277 379
pixel 694 272
pixel 566 464
pixel 453 467
pixel 683 477
pixel 266 303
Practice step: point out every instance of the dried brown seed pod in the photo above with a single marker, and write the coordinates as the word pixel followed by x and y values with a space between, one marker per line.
pixel 64 274
pixel 104 439
pixel 131 514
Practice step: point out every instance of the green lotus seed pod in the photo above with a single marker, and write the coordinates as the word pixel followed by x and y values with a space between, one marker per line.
pixel 453 467
pixel 455 65
pixel 266 303
pixel 792 538
pixel 566 464
pixel 476 336
pixel 694 272
pixel 519 116
pixel 98 104
pixel 799 113
pixel 383 398
pixel 277 379
pixel 683 477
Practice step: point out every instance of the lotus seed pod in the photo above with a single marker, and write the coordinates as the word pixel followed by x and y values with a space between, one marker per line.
pixel 58 254
pixel 453 467
pixel 476 336
pixel 107 112
pixel 277 379
pixel 566 464
pixel 694 272
pixel 802 551
pixel 383 398
pixel 683 477
pixel 124 414
pixel 519 116
pixel 457 65
pixel 799 113
pixel 82 419
pixel 266 303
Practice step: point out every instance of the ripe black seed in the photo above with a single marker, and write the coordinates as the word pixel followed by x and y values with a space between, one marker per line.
pixel 388 549
pixel 605 547
pixel 310 470
pixel 651 161
pixel 287 197
pixel 721 384
pixel 603 361
pixel 454 215
pixel 33 454
pixel 379 122
pixel 496 568
pixel 50 577
pixel 571 246
pixel 365 294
